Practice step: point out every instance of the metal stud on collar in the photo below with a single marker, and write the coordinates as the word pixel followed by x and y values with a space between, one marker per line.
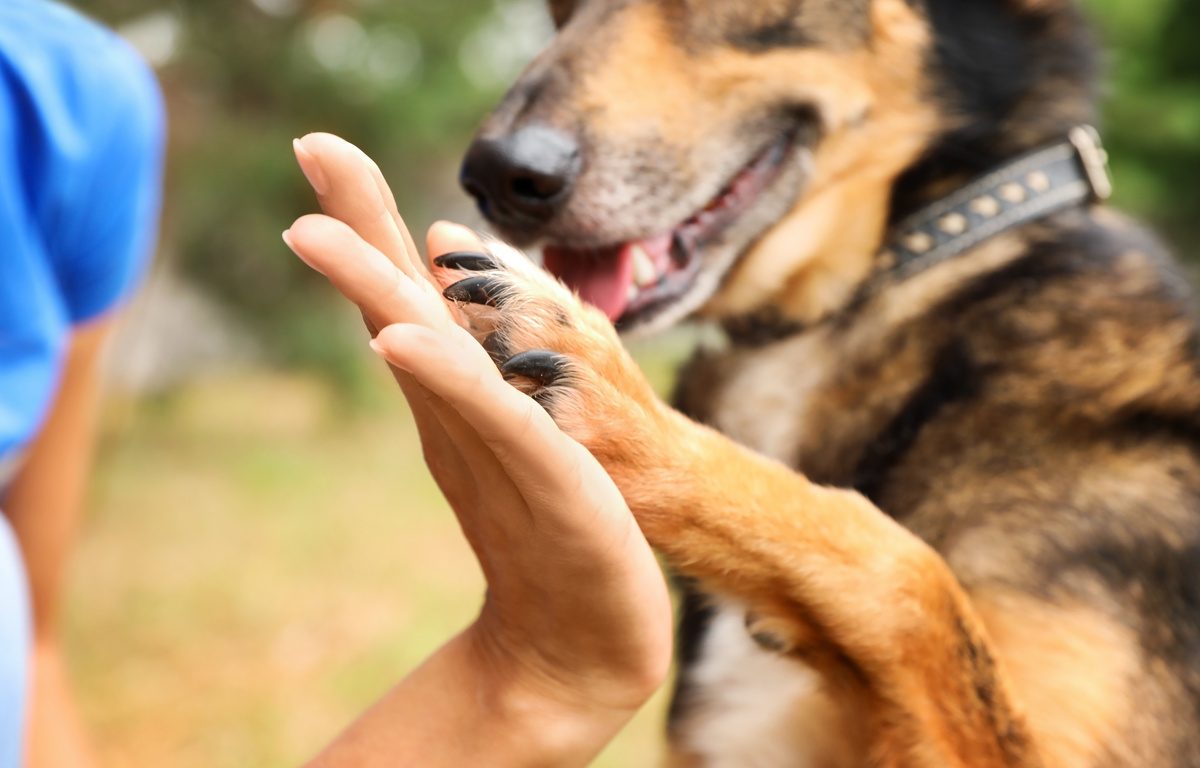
pixel 1094 157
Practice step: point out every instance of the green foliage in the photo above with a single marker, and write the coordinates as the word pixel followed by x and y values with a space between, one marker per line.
pixel 243 82
pixel 1152 117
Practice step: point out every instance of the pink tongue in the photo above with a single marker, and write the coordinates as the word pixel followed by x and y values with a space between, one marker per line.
pixel 603 277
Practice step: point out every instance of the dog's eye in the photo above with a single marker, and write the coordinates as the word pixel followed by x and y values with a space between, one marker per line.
pixel 561 10
pixel 780 33
pixel 768 25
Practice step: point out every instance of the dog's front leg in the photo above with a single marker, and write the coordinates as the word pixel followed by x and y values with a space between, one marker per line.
pixel 826 575
pixel 832 580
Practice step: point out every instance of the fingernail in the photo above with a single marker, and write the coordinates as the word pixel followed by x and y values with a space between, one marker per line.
pixel 376 347
pixel 455 229
pixel 311 168
pixel 287 239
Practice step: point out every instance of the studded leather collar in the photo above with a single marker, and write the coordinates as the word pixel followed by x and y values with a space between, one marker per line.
pixel 1027 188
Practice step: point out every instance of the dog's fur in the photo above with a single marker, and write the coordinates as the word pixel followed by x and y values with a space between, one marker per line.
pixel 957 524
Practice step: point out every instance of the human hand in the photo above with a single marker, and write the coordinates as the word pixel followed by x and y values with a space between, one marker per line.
pixel 576 615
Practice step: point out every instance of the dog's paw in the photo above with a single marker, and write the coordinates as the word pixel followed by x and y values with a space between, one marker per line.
pixel 560 351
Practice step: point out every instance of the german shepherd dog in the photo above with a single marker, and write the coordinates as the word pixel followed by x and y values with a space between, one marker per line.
pixel 939 515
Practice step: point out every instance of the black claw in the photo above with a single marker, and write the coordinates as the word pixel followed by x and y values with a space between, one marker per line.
pixel 770 642
pixel 475 290
pixel 471 261
pixel 766 639
pixel 540 365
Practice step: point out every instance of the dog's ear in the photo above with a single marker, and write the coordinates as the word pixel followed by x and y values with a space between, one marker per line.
pixel 990 55
pixel 983 52
pixel 1007 76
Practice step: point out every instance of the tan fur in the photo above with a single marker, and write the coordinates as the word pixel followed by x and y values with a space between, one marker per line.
pixel 872 106
pixel 1067 679
pixel 829 240
pixel 849 547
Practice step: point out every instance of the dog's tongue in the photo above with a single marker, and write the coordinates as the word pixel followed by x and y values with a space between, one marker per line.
pixel 603 277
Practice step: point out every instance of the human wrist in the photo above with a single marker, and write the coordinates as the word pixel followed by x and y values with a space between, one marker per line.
pixel 555 722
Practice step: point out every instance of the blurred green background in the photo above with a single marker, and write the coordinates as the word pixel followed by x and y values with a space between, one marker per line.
pixel 265 553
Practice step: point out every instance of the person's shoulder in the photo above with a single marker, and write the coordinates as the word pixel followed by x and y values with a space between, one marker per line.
pixel 82 128
pixel 72 68
pixel 47 20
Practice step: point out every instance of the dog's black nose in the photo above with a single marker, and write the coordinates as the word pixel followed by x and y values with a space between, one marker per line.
pixel 523 178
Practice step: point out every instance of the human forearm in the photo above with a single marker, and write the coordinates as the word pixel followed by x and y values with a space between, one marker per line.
pixel 56 736
pixel 465 706
pixel 45 506
pixel 44 503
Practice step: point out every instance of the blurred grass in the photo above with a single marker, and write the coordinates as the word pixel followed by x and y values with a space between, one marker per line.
pixel 261 564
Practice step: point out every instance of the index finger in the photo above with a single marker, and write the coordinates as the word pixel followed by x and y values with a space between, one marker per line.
pixel 351 188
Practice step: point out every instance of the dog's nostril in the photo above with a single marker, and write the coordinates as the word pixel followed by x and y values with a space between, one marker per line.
pixel 525 187
pixel 538 187
pixel 522 178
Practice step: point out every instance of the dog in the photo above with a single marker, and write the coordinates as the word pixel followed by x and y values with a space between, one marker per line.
pixel 934 499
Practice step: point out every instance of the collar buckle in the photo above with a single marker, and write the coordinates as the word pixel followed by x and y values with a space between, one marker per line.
pixel 1094 159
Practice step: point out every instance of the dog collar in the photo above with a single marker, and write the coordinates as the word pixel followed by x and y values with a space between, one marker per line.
pixel 1025 189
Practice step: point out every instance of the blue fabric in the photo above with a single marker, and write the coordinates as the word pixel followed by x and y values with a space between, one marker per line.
pixel 81 129
pixel 14 647
pixel 81 133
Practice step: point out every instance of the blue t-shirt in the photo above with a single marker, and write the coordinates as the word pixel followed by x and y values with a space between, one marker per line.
pixel 81 133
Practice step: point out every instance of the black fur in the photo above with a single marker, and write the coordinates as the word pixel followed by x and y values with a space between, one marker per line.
pixel 778 34
pixel 1008 80
pixel 952 378
pixel 695 615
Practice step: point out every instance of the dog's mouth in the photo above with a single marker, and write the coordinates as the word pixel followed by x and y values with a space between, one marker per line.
pixel 636 279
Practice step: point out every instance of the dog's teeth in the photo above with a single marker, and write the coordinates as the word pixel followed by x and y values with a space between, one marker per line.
pixel 644 273
pixel 632 294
